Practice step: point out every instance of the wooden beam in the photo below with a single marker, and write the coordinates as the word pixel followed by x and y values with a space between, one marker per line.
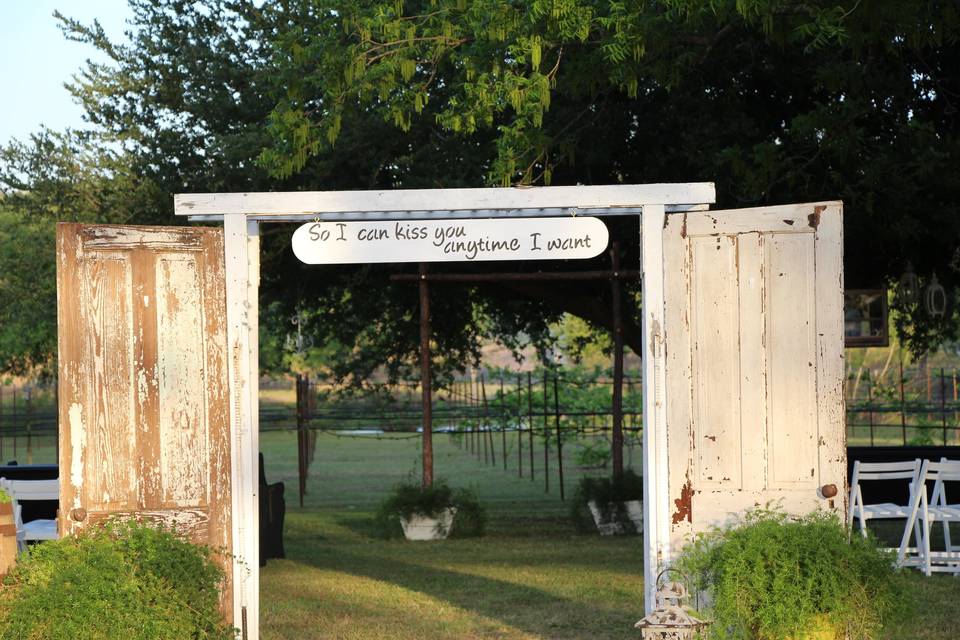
pixel 499 201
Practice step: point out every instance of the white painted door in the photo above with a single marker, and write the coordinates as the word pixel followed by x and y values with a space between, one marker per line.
pixel 753 309
pixel 144 416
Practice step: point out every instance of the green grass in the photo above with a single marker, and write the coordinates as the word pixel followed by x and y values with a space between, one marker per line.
pixel 532 576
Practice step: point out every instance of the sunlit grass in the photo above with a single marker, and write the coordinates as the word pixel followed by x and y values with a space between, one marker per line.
pixel 532 576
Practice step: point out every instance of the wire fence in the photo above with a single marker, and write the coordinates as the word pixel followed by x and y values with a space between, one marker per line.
pixel 893 405
pixel 888 405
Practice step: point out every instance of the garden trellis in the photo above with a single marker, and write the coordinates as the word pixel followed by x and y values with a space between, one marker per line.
pixel 785 328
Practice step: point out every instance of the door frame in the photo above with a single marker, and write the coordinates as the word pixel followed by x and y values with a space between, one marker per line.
pixel 242 213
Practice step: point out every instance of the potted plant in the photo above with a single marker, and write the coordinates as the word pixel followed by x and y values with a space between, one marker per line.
pixel 779 577
pixel 431 513
pixel 613 505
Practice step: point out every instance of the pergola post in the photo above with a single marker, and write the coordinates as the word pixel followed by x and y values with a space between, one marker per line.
pixel 425 378
pixel 656 534
pixel 242 269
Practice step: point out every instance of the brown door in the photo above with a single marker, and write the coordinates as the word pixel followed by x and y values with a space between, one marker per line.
pixel 144 424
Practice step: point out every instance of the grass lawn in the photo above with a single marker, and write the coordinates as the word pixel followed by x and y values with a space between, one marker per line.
pixel 532 576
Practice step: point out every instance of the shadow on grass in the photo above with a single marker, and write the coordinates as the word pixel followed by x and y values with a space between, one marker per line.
pixel 527 608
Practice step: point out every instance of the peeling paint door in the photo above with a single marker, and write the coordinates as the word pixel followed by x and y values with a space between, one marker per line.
pixel 144 427
pixel 754 363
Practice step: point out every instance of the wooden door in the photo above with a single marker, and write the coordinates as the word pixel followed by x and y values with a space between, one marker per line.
pixel 754 363
pixel 144 425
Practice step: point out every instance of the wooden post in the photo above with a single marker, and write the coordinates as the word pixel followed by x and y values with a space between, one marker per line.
pixel 617 436
pixel 426 399
pixel 546 438
pixel 943 405
pixel 14 420
pixel 556 422
pixel 301 441
pixel 530 420
pixel 519 426
pixel 475 410
pixel 503 426
pixel 903 408
pixel 29 401
pixel 487 432
pixel 870 407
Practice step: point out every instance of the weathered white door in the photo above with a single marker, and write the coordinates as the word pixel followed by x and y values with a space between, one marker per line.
pixel 753 304
pixel 144 425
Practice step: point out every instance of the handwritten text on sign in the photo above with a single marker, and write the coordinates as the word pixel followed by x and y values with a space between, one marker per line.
pixel 450 240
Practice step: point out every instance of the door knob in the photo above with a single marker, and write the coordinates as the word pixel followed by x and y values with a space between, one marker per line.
pixel 78 515
pixel 828 490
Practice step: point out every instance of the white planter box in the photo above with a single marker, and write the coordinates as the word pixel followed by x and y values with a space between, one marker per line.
pixel 422 527
pixel 634 510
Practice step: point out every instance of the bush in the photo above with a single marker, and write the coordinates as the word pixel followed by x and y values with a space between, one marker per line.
pixel 408 498
pixel 610 494
pixel 121 581
pixel 775 577
pixel 593 454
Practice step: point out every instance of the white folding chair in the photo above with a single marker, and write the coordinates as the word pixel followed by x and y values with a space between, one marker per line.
pixel 908 471
pixel 938 509
pixel 24 490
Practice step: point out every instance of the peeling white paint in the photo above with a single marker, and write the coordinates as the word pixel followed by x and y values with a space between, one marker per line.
pixel 146 301
pixel 76 449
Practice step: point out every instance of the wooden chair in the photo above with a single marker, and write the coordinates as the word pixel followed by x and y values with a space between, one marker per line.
pixel 906 472
pixel 23 490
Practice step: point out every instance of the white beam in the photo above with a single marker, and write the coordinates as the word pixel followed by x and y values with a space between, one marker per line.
pixel 242 273
pixel 427 201
pixel 470 214
pixel 656 533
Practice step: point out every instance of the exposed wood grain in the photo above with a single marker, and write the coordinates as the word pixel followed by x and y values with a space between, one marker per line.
pixel 144 430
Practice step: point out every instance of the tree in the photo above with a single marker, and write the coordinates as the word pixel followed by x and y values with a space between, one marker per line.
pixel 774 100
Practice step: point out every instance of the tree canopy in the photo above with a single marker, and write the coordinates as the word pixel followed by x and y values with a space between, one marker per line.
pixel 775 101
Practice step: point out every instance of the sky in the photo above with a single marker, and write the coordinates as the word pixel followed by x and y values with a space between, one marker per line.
pixel 36 59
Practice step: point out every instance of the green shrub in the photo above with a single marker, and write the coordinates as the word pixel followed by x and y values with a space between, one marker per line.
pixel 610 494
pixel 408 498
pixel 593 454
pixel 125 581
pixel 774 577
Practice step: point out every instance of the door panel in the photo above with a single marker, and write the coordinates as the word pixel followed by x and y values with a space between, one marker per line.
pixel 754 349
pixel 143 389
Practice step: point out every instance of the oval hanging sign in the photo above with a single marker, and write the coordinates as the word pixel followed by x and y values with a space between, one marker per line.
pixel 450 240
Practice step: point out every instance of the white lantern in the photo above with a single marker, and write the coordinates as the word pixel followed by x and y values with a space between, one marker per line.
pixel 908 288
pixel 935 298
pixel 671 620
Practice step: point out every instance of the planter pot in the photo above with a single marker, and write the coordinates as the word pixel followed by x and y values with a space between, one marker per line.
pixel 634 511
pixel 8 538
pixel 424 527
